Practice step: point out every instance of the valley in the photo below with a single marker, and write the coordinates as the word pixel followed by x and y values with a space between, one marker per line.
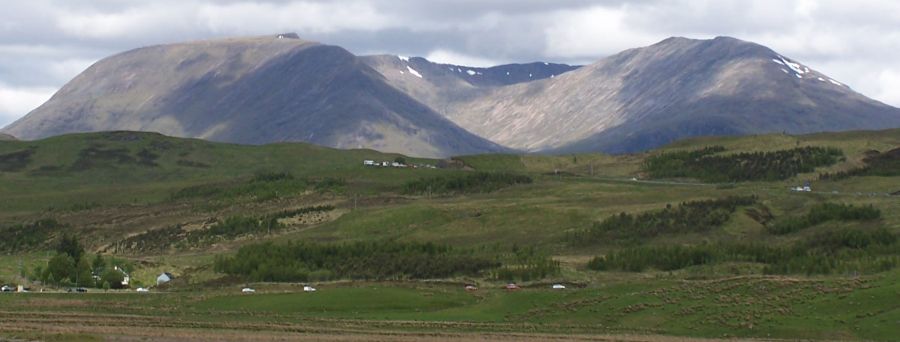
pixel 731 254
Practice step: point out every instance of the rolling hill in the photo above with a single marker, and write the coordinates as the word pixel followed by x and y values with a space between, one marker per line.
pixel 6 137
pixel 391 249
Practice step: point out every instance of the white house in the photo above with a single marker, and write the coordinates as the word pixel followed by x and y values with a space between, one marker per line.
pixel 369 162
pixel 125 277
pixel 164 278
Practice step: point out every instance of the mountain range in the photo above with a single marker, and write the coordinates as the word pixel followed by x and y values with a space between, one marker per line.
pixel 266 89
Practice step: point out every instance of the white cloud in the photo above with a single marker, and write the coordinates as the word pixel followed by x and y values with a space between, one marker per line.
pixel 451 57
pixel 593 32
pixel 888 86
pixel 16 102
pixel 306 17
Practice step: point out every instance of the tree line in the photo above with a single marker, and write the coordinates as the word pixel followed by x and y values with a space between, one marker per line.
pixel 72 266
pixel 380 260
pixel 302 261
pixel 465 182
pixel 704 164
pixel 688 217
pixel 821 213
pixel 828 252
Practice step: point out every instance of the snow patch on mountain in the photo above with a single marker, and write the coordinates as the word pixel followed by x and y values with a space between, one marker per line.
pixel 413 71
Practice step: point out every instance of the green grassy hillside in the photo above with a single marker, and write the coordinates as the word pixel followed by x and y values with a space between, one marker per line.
pixel 641 251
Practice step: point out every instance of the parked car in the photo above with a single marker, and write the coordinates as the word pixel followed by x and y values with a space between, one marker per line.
pixel 247 290
pixel 308 288
pixel 77 289
pixel 7 288
pixel 141 289
pixel 559 287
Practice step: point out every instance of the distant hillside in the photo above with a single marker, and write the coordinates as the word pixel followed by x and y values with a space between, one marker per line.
pixel 283 89
pixel 6 137
pixel 646 97
pixel 253 91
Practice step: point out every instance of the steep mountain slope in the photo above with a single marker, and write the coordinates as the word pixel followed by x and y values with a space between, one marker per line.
pixel 646 97
pixel 251 90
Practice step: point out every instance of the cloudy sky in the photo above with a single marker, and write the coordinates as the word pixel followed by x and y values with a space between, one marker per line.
pixel 44 43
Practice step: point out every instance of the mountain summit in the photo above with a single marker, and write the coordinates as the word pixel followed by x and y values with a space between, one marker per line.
pixel 282 88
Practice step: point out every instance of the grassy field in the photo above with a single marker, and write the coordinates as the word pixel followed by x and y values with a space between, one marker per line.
pixel 108 187
pixel 751 306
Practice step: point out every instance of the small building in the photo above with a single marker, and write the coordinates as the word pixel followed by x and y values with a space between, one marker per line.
pixel 369 162
pixel 126 278
pixel 385 164
pixel 164 278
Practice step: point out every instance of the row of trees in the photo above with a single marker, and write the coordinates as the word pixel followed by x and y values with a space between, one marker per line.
pixel 688 217
pixel 517 263
pixel 706 165
pixel 465 182
pixel 821 213
pixel 71 267
pixel 301 261
pixel 838 251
